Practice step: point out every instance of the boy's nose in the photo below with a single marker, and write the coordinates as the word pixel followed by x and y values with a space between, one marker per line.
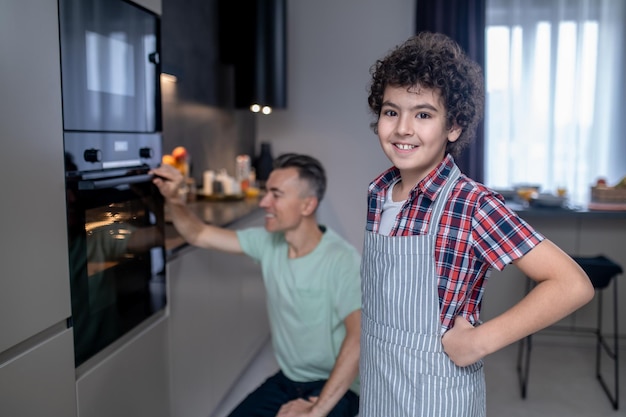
pixel 405 126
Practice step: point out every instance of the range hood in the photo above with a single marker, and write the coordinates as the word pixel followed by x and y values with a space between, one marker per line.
pixel 253 39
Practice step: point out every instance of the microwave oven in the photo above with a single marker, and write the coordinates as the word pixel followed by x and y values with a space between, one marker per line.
pixel 110 66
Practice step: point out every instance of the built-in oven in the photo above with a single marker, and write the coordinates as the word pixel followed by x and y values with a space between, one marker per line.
pixel 110 66
pixel 115 219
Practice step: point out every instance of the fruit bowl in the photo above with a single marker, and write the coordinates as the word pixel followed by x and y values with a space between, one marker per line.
pixel 547 200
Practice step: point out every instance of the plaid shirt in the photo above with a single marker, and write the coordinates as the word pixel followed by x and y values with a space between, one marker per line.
pixel 477 232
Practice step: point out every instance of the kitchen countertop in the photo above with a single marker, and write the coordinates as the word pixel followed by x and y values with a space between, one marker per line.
pixel 565 211
pixel 225 212
pixel 218 212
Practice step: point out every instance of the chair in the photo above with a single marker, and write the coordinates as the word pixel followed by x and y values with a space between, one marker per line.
pixel 601 271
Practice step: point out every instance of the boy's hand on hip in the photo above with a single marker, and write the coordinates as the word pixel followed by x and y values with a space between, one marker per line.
pixel 458 343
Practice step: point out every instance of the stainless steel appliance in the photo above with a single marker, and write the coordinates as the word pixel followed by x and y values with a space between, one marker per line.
pixel 110 66
pixel 112 121
pixel 115 220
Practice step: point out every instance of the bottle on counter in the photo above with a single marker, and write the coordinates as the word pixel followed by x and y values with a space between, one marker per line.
pixel 243 172
pixel 228 184
pixel 208 177
pixel 264 163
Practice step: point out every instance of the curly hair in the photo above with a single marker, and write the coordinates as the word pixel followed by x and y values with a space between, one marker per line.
pixel 433 61
pixel 309 169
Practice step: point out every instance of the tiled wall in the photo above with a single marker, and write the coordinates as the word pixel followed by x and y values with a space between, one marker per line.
pixel 213 136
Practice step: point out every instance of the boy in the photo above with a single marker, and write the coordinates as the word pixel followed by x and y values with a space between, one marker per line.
pixel 432 237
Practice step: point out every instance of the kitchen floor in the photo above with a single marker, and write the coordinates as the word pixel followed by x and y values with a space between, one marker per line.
pixel 562 380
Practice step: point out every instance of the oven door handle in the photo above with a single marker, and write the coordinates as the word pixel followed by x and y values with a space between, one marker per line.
pixel 113 182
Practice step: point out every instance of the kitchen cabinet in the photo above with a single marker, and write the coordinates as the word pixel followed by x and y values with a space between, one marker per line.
pixel 34 291
pixel 40 381
pixel 37 372
pixel 218 321
pixel 130 381
pixel 36 349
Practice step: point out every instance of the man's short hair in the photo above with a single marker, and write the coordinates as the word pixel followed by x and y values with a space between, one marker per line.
pixel 309 169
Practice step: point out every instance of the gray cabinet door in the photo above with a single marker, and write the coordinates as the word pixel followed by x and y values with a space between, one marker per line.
pixel 218 321
pixel 132 380
pixel 203 316
pixel 40 381
pixel 34 289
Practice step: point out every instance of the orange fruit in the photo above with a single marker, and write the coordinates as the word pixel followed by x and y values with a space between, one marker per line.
pixel 168 160
pixel 526 194
pixel 180 153
pixel 252 192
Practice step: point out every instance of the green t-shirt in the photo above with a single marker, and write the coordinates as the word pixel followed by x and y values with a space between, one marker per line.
pixel 307 299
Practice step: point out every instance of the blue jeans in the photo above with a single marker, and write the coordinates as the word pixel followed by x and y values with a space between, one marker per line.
pixel 266 400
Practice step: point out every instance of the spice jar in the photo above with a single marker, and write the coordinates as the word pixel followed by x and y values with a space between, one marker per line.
pixel 242 174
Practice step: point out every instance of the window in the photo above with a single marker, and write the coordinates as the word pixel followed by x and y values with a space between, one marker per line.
pixel 553 108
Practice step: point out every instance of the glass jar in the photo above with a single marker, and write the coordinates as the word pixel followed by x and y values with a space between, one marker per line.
pixel 242 174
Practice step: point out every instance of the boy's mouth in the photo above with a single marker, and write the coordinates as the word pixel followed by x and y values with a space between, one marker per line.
pixel 404 146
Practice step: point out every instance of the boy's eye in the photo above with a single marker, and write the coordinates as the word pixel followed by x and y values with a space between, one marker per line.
pixel 390 113
pixel 423 115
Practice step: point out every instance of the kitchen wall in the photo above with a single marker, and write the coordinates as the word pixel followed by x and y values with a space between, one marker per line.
pixel 331 46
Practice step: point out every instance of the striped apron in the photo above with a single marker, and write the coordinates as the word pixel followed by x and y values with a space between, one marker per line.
pixel 403 368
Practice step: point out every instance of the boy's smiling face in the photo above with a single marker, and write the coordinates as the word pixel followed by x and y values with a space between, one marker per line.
pixel 412 131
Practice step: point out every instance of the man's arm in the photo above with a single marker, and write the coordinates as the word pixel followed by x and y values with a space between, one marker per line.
pixel 196 232
pixel 341 377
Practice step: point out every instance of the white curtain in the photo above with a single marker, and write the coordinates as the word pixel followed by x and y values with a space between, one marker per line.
pixel 555 94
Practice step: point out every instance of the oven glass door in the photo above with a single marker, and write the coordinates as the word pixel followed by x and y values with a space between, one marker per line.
pixel 117 257
pixel 109 66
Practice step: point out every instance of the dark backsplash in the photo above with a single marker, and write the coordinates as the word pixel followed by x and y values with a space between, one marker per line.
pixel 198 110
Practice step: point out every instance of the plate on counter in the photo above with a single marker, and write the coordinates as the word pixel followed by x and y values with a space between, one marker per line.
pixel 547 201
pixel 506 193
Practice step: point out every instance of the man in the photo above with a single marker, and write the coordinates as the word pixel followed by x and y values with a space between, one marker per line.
pixel 312 281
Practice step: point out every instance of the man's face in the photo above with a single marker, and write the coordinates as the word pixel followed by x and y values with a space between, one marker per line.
pixel 286 200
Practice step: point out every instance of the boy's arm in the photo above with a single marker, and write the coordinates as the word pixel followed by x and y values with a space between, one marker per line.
pixel 562 288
